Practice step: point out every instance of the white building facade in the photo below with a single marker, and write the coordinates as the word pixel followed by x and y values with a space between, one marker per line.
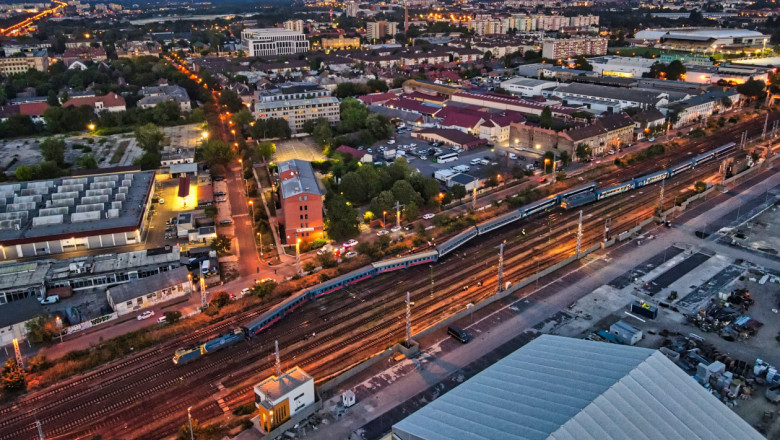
pixel 273 42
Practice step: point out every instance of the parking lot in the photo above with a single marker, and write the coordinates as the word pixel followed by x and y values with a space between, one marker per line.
pixel 497 157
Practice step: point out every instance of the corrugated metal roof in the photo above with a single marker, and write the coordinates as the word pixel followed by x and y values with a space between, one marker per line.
pixel 563 388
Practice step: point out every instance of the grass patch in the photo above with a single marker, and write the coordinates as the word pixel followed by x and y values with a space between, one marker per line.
pixel 119 152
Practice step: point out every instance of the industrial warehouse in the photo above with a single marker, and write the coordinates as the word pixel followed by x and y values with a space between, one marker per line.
pixel 45 217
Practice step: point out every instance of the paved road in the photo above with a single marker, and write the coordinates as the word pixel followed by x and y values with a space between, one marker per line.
pixel 249 261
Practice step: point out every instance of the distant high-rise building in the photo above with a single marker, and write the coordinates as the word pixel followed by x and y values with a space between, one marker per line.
pixel 294 25
pixel 484 24
pixel 273 42
pixel 351 9
pixel 380 29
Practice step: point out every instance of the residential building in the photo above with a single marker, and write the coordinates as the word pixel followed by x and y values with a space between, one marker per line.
pixel 282 398
pixel 273 42
pixel 559 48
pixel 564 388
pixel 377 30
pixel 11 65
pixel 492 126
pixel 526 86
pixel 351 8
pixel 109 102
pixel 484 24
pixel 93 210
pixel 648 121
pixel 294 25
pixel 163 93
pixel 297 103
pixel 34 110
pixel 301 200
pixel 341 43
pixel 606 133
pixel 82 53
pixel 132 49
pixel 147 292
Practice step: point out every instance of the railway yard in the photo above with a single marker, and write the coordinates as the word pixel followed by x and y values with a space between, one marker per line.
pixel 346 327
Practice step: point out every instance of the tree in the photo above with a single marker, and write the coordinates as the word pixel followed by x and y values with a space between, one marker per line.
pixel 52 99
pixel 675 70
pixel 565 159
pixel 354 188
pixel 242 118
pixel 531 55
pixel 700 186
pixel 411 212
pixel 220 299
pixel 546 119
pixel 266 149
pixel 353 115
pixel 150 160
pixel 379 126
pixel 405 194
pixel 221 244
pixel 149 137
pixel 322 133
pixel 384 201
pixel 230 100
pixel 211 211
pixel 342 217
pixel 87 162
pixel 172 317
pixel 377 85
pixel 23 173
pixel 582 64
pixel 42 329
pixel 53 149
pixel 12 376
pixel 458 191
pixel 583 151
pixel 216 152
pixel 726 102
pixel 752 88
pixel 263 290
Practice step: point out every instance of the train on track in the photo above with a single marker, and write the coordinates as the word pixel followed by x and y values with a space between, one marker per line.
pixel 567 199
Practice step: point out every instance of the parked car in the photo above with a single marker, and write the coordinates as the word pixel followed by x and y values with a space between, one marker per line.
pixel 395 229
pixel 382 232
pixel 368 150
pixel 51 299
pixel 226 221
pixel 512 156
pixel 162 201
pixel 219 193
pixel 351 243
pixel 145 315
pixel 322 251
pixel 218 178
pixel 161 320
pixel 220 199
pixel 542 179
pixel 245 291
pixel 651 139
pixel 611 152
pixel 428 216
pixel 350 254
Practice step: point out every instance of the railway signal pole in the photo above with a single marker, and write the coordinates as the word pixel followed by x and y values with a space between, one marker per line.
pixel 189 417
pixel 278 363
pixel 766 122
pixel 40 429
pixel 408 320
pixel 431 279
pixel 607 224
pixel 19 359
pixel 499 288
pixel 579 235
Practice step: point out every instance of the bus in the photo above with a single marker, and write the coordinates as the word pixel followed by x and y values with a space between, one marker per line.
pixel 444 158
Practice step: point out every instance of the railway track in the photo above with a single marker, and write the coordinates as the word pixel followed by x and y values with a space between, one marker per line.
pixel 174 389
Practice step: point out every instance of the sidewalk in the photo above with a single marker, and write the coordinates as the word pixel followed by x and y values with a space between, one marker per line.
pixel 391 393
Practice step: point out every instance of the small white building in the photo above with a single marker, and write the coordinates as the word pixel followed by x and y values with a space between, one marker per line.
pixel 527 86
pixel 281 398
pixel 146 292
pixel 468 181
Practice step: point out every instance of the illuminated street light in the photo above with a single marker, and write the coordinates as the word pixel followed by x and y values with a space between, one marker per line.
pixel 91 127
pixel 204 134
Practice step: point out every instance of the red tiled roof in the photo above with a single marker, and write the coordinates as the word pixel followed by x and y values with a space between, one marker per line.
pixel 461 119
pixel 33 108
pixel 505 99
pixel 108 100
pixel 350 151
pixel 454 136
pixel 377 98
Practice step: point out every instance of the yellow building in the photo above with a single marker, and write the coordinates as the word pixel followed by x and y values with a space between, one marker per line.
pixel 341 43
pixel 280 398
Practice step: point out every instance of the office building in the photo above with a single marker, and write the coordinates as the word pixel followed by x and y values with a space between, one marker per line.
pixel 351 9
pixel 341 43
pixel 293 25
pixel 273 42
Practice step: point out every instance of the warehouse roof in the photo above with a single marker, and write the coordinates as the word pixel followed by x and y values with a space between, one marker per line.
pixel 561 388
pixel 140 287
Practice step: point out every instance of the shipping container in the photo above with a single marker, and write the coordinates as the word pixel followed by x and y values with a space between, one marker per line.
pixel 644 309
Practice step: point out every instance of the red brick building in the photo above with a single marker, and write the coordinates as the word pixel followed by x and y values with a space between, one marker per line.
pixel 301 199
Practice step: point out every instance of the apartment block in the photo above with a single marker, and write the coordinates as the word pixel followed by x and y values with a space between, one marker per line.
pixel 564 48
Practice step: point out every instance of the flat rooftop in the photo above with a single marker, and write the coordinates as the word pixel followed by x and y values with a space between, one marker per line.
pixel 68 207
pixel 276 387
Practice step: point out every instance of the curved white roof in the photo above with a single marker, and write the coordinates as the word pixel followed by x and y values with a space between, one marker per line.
pixel 654 34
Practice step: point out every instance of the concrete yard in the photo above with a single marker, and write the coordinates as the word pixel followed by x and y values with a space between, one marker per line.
pixel 298 148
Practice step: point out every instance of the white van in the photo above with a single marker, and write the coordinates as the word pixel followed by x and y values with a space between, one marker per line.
pixel 476 161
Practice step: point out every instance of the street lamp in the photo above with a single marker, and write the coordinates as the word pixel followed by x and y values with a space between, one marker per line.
pixel 189 416
pixel 91 127
pixel 204 135
pixel 384 213
pixel 260 235
pixel 59 326
pixel 298 255
pixel 252 210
